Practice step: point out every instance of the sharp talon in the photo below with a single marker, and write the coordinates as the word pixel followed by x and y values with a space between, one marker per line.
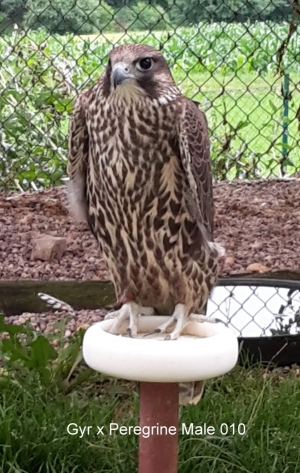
pixel 157 330
pixel 179 319
pixel 219 321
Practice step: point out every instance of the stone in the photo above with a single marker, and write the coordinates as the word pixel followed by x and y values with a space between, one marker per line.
pixel 25 236
pixel 229 261
pixel 82 326
pixel 257 268
pixel 48 247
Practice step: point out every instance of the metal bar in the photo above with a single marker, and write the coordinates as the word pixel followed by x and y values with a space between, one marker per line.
pixel 259 281
pixel 285 125
pixel 158 452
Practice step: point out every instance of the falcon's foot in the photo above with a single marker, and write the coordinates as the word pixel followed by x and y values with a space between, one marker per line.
pixel 131 311
pixel 179 319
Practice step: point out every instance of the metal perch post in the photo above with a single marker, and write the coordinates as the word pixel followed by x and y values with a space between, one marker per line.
pixel 159 405
pixel 203 350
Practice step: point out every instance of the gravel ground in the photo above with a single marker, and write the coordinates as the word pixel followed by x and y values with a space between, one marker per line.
pixel 23 216
pixel 47 321
pixel 258 223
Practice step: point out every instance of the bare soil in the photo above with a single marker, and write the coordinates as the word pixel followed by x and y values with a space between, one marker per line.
pixel 256 222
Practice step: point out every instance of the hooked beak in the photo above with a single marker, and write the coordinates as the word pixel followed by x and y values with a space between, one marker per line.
pixel 120 73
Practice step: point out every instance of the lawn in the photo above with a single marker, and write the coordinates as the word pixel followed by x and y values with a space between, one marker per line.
pixel 252 105
pixel 45 387
pixel 34 422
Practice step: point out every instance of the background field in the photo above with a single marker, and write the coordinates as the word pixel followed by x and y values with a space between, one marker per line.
pixel 235 71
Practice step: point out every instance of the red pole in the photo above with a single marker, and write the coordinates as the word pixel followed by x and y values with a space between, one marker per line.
pixel 158 453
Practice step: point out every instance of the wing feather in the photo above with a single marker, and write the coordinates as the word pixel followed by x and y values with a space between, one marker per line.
pixel 195 156
pixel 78 152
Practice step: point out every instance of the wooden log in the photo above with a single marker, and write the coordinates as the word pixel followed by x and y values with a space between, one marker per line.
pixel 21 296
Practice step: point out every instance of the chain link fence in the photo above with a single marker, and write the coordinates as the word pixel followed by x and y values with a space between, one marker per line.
pixel 239 59
pixel 254 307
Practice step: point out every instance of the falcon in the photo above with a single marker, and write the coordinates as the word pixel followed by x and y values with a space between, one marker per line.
pixel 140 175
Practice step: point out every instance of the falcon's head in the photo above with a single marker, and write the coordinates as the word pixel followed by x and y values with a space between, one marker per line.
pixel 138 69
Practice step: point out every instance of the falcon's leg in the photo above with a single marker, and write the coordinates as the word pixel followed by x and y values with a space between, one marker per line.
pixel 179 318
pixel 131 311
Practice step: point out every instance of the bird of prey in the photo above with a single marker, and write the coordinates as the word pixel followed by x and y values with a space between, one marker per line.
pixel 140 175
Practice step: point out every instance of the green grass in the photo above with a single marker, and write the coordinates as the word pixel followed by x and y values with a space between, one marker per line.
pixel 255 101
pixel 44 389
pixel 34 438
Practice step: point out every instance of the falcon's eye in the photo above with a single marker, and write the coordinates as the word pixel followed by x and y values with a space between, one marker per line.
pixel 145 64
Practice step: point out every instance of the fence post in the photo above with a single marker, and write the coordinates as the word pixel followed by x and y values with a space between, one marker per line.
pixel 285 125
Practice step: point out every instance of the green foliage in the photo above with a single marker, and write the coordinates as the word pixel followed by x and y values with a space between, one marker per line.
pixel 34 420
pixel 287 324
pixel 44 387
pixel 41 75
pixel 11 11
pixel 88 16
pixel 190 13
pixel 63 16
pixel 35 106
pixel 141 17
pixel 28 355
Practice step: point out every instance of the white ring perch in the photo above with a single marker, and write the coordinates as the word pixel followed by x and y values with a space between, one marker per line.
pixel 203 351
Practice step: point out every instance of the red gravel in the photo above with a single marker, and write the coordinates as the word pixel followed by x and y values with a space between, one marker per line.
pixel 22 216
pixel 47 322
pixel 257 222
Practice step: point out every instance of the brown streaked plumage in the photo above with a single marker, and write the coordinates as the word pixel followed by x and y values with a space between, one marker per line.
pixel 139 167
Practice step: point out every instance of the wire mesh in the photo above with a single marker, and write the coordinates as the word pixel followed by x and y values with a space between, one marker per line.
pixel 257 308
pixel 239 59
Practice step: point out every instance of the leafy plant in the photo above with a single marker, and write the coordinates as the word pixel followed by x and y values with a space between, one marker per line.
pixel 26 354
pixel 141 17
pixel 288 319
pixel 65 16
